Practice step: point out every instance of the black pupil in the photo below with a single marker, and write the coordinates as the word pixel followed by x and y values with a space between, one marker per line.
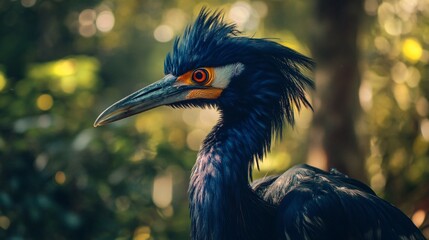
pixel 199 75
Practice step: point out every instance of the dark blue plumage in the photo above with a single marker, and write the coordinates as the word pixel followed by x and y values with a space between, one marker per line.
pixel 268 66
pixel 303 203
pixel 256 84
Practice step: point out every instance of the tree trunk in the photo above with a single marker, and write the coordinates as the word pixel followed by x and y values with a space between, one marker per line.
pixel 333 141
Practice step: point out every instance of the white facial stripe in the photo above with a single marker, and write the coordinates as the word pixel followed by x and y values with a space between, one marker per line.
pixel 224 74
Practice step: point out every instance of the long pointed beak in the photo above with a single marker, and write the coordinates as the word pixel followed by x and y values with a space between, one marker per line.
pixel 159 93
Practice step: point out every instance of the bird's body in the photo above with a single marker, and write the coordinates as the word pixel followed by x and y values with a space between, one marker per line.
pixel 255 84
pixel 313 204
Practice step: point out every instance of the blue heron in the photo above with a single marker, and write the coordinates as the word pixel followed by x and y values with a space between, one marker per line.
pixel 255 84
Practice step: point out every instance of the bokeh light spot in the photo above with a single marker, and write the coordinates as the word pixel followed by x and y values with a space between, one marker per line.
pixel 86 21
pixel 64 68
pixel 142 233
pixel 162 194
pixel 261 8
pixel 87 30
pixel 240 12
pixel 28 3
pixel 424 128
pixel 68 85
pixel 176 18
pixel 245 16
pixel 419 217
pixel 195 138
pixel 163 33
pixel 87 17
pixel 422 106
pixel 60 177
pixel 365 95
pixel 382 45
pixel 3 81
pixel 208 118
pixel 412 49
pixel 393 26
pixel 4 222
pixel 105 21
pixel 190 116
pixel 402 96
pixel 371 7
pixel 176 138
pixel 399 72
pixel 41 162
pixel 45 102
pixel 414 76
pixel 378 181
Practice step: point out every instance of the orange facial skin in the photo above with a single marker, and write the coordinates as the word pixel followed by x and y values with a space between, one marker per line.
pixel 206 93
pixel 211 93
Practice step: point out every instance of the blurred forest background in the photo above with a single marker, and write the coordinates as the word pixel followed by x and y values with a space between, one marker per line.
pixel 63 62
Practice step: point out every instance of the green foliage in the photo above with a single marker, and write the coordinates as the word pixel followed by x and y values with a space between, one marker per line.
pixel 393 95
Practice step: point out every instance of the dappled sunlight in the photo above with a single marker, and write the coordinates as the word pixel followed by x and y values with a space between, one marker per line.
pixel 176 138
pixel 194 139
pixel 273 163
pixel 86 23
pixel 3 81
pixel 45 102
pixel 393 95
pixel 105 21
pixel 247 15
pixel 142 233
pixel 91 20
pixel 28 3
pixel 240 13
pixel 63 68
pixel 163 33
pixel 67 75
pixel 176 18
pixel 419 217
pixel 412 49
pixel 422 106
pixel 60 177
pixel 424 127
pixel 373 165
pixel 4 222
pixel 365 95
pixel 402 96
pixel 162 193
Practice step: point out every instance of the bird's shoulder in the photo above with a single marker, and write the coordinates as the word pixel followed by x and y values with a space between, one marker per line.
pixel 314 204
pixel 274 188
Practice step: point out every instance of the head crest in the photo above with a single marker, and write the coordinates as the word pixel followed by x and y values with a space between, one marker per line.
pixel 212 42
pixel 205 43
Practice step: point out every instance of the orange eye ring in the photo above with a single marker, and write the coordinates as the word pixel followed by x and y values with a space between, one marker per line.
pixel 200 76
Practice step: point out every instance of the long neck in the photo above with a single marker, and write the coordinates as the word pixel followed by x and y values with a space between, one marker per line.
pixel 221 201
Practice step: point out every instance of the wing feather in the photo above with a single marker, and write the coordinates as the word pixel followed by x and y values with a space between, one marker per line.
pixel 313 204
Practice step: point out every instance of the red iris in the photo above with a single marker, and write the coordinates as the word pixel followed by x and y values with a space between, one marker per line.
pixel 200 76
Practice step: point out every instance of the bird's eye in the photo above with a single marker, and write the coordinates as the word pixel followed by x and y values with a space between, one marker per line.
pixel 200 76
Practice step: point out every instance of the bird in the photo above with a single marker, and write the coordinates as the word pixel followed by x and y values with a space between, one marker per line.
pixel 256 85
